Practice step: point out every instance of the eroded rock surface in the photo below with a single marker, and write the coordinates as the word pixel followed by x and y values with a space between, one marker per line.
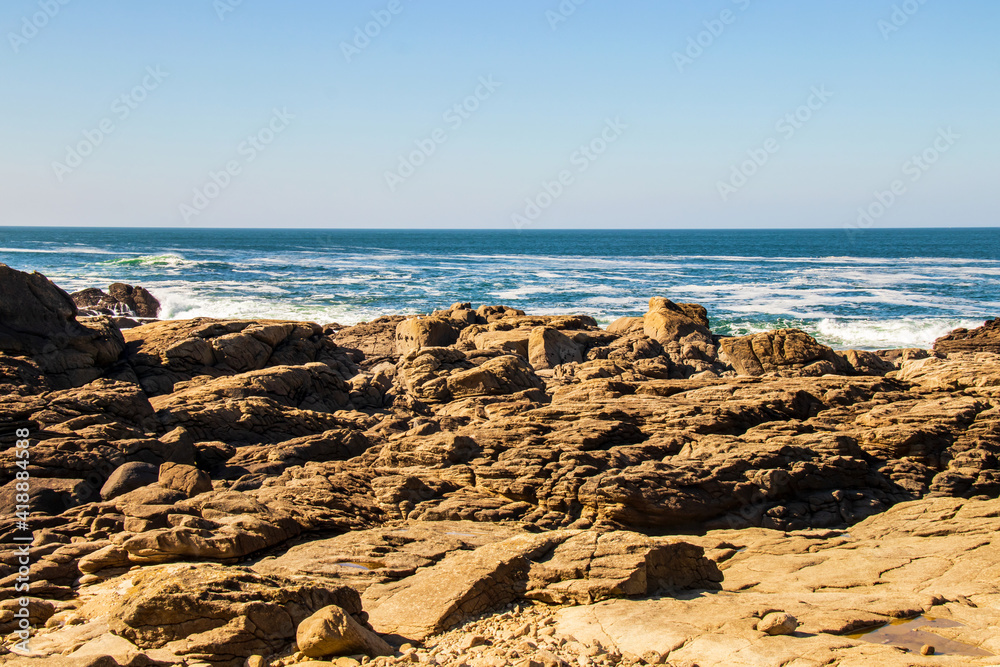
pixel 635 494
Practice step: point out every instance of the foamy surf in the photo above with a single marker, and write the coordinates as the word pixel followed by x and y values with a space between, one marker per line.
pixel 899 290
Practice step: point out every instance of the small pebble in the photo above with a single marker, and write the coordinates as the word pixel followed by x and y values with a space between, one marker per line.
pixel 469 641
pixel 926 649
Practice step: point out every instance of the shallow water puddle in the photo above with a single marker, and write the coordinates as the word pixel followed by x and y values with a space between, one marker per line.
pixel 910 633
pixel 367 567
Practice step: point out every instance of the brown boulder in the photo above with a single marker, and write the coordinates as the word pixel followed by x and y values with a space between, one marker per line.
pixel 38 320
pixel 121 300
pixel 780 350
pixel 682 330
pixel 983 339
pixel 511 341
pixel 460 314
pixel 331 631
pixel 626 325
pixel 374 340
pixel 667 321
pixel 494 313
pixel 508 374
pixel 442 374
pixel 187 479
pixel 138 299
pixel 129 477
pixel 548 348
pixel 417 332
pixel 220 525
pixel 863 362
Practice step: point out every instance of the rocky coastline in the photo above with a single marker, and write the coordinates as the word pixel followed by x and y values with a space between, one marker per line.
pixel 487 487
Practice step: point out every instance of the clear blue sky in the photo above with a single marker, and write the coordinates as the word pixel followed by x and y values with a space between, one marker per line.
pixel 686 126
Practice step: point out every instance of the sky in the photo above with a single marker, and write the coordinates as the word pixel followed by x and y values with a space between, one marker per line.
pixel 475 114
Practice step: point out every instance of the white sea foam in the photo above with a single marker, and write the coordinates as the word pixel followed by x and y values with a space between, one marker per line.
pixel 861 334
pixel 165 261
pixel 177 304
pixel 620 302
pixel 891 333
pixel 524 292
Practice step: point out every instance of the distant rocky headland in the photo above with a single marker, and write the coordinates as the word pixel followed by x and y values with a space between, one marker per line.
pixel 485 487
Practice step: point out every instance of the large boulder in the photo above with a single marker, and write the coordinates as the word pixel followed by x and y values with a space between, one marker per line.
pixel 184 478
pixel 548 348
pixel 129 477
pixel 331 631
pixel 162 526
pixel 494 313
pixel 39 321
pixel 508 374
pixel 510 341
pixel 682 330
pixel 137 299
pixel 418 332
pixel 957 372
pixel 375 340
pixel 863 362
pixel 627 325
pixel 442 374
pixel 460 314
pixel 121 300
pixel 670 322
pixel 781 350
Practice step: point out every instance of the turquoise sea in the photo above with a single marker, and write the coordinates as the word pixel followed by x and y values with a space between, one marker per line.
pixel 870 289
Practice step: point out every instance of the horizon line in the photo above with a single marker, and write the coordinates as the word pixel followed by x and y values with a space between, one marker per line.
pixel 500 229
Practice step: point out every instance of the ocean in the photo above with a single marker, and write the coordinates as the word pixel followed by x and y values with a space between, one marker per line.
pixel 870 289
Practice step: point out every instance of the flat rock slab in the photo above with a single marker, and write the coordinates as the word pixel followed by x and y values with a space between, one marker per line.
pixel 940 557
pixel 563 566
pixel 461 586
pixel 381 555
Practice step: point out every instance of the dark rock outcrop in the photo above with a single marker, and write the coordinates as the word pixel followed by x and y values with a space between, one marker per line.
pixel 983 339
pixel 121 300
pixel 38 322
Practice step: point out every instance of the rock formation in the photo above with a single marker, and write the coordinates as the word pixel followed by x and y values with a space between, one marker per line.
pixel 479 486
pixel 983 339
pixel 121 300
